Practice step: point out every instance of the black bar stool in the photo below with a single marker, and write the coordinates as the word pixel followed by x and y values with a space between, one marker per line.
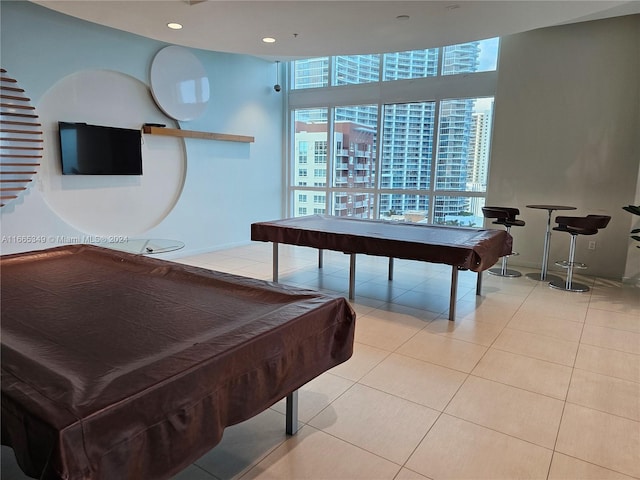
pixel 504 216
pixel 575 226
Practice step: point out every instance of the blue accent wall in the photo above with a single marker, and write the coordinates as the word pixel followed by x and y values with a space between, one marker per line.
pixel 227 185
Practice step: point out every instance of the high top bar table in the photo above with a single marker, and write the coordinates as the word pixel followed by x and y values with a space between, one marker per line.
pixel 542 276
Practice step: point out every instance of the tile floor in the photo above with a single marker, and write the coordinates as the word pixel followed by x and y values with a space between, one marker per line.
pixel 528 382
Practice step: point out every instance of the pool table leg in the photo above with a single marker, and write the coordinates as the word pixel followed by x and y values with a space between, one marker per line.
pixel 352 276
pixel 292 413
pixel 454 293
pixel 275 262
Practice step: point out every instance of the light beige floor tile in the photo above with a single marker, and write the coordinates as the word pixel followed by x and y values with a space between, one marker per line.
pixel 322 282
pixel 402 278
pixel 506 301
pixel 600 438
pixel 434 303
pixel 569 468
pixel 364 358
pixel 487 314
pixel 616 298
pixel 604 393
pixel 364 305
pixel 421 382
pixel 379 291
pixel 456 449
pixel 621 321
pixel 522 414
pixel 468 331
pixel 531 374
pixel 466 305
pixel 435 286
pixel 316 395
pixel 192 260
pixel 406 474
pixel 262 272
pixel 563 306
pixel 609 362
pixel 386 425
pixel 612 338
pixel 390 310
pixel 244 445
pixel 537 346
pixel 387 330
pixel 448 352
pixel 544 325
pixel 312 454
pixel 510 286
pixel 228 264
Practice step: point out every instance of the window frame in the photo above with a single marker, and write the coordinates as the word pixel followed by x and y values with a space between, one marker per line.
pixel 436 89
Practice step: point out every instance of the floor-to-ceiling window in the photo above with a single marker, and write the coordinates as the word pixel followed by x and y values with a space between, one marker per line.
pixel 400 136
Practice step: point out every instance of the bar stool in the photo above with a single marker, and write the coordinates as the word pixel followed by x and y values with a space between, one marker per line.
pixel 575 226
pixel 505 216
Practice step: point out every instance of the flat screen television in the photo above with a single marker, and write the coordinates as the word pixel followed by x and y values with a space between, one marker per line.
pixel 98 150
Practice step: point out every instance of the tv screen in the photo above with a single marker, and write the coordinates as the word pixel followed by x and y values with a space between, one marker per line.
pixel 97 150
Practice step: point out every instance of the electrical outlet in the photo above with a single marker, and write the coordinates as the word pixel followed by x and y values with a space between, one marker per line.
pixel 592 245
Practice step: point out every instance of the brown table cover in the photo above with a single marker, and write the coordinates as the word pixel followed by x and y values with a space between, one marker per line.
pixel 469 248
pixel 118 366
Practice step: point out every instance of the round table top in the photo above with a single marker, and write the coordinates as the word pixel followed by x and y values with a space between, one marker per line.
pixel 146 246
pixel 552 207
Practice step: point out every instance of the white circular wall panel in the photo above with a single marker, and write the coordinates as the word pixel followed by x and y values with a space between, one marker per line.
pixel 110 204
pixel 179 84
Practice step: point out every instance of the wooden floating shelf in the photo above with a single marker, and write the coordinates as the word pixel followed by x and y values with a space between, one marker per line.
pixel 175 132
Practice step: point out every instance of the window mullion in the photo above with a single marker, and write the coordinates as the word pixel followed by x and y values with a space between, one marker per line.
pixel 434 163
pixel 330 157
pixel 378 160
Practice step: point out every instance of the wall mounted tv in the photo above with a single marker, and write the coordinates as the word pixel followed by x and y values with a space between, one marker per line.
pixel 98 150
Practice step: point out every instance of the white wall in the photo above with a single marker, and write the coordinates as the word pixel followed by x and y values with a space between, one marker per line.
pixel 566 131
pixel 227 185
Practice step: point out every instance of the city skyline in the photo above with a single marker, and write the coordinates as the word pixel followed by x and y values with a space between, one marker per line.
pixel 408 180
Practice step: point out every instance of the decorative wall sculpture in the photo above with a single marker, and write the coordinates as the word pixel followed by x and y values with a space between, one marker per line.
pixel 21 142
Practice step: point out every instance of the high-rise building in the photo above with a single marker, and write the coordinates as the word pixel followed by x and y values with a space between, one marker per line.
pixel 479 148
pixel 478 155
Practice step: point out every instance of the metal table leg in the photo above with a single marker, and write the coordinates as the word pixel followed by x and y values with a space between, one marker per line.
pixel 542 276
pixel 292 413
pixel 352 276
pixel 275 262
pixel 454 293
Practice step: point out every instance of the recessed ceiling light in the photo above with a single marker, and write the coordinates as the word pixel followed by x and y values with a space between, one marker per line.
pixel 269 40
pixel 174 26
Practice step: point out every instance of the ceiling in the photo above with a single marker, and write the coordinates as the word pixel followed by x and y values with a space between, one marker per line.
pixel 308 28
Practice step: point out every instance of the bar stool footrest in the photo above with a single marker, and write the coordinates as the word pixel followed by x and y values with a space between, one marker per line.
pixel 567 264
pixel 508 273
